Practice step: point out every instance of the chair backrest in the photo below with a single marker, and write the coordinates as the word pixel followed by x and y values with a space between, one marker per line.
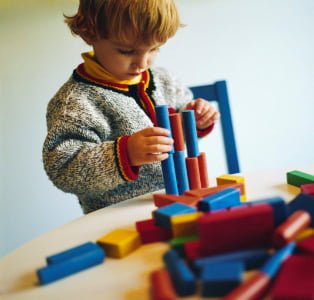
pixel 218 92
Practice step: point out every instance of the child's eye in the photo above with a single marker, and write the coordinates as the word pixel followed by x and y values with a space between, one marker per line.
pixel 126 51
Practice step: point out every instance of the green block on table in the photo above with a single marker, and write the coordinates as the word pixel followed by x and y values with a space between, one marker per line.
pixel 297 178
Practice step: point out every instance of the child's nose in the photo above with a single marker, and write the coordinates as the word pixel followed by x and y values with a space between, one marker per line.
pixel 142 62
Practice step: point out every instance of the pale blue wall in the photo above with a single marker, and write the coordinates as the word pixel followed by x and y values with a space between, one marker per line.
pixel 263 48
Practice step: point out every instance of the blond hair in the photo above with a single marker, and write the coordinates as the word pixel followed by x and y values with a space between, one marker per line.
pixel 141 20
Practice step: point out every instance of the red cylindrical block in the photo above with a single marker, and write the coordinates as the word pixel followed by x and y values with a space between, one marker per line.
pixel 202 163
pixel 193 172
pixel 161 286
pixel 177 131
pixel 289 229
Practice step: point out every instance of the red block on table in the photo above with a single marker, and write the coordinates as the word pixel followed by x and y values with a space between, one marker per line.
pixel 307 189
pixel 161 286
pixel 193 172
pixel 192 250
pixel 202 164
pixel 161 200
pixel 295 279
pixel 151 233
pixel 204 192
pixel 236 229
pixel 307 245
pixel 289 229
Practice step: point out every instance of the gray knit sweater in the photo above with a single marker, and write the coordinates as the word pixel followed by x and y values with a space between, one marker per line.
pixel 84 121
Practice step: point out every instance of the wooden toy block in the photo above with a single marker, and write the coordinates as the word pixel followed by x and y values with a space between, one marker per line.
pixel 220 278
pixel 252 259
pixel 163 215
pixel 161 200
pixel 302 202
pixel 289 230
pixel 185 225
pixel 178 243
pixel 308 232
pixel 72 252
pixel 193 172
pixel 228 178
pixel 202 164
pixel 190 132
pixel 308 189
pixel 151 233
pixel 169 175
pixel 279 208
pixel 223 199
pixel 295 279
pixel 161 286
pixel 298 178
pixel 307 246
pixel 120 242
pixel 177 131
pixel 258 284
pixel 236 229
pixel 73 264
pixel 182 277
pixel 192 250
pixel 181 171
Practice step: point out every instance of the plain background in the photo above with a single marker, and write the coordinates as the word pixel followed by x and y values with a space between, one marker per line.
pixel 264 49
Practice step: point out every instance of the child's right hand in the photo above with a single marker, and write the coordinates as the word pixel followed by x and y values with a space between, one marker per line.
pixel 149 145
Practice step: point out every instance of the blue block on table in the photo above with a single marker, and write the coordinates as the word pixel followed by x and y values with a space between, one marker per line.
pixel 183 279
pixel 67 254
pixel 67 267
pixel 223 199
pixel 163 215
pixel 218 279
pixel 303 202
pixel 252 259
pixel 279 208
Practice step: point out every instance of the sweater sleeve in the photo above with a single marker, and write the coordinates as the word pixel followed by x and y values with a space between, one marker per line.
pixel 78 154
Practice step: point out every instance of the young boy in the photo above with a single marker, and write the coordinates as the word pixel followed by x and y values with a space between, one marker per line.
pixel 102 142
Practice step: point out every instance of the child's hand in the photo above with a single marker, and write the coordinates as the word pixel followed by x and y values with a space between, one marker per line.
pixel 149 145
pixel 205 113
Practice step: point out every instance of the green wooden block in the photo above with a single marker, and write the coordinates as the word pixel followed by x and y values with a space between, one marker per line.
pixel 177 243
pixel 297 178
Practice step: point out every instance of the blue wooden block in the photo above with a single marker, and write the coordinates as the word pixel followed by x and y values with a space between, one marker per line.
pixel 303 202
pixel 183 279
pixel 70 266
pixel 67 254
pixel 252 259
pixel 169 175
pixel 181 171
pixel 162 116
pixel 218 279
pixel 190 132
pixel 223 199
pixel 280 208
pixel 163 215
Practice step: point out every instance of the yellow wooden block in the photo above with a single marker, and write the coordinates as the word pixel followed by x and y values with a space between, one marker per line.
pixel 120 242
pixel 185 225
pixel 305 234
pixel 228 178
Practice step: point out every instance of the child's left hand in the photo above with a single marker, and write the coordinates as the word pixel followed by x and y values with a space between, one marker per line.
pixel 205 113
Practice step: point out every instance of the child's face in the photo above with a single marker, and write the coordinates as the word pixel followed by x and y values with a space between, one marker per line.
pixel 124 60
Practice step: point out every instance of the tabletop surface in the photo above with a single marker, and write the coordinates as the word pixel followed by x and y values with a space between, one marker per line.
pixel 126 278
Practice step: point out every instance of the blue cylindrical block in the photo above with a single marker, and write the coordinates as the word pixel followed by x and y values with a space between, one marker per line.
pixel 181 172
pixel 190 133
pixel 169 175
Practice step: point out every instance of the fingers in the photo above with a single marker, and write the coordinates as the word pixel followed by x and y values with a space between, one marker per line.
pixel 155 131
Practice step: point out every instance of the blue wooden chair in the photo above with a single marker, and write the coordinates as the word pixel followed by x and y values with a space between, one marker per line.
pixel 218 92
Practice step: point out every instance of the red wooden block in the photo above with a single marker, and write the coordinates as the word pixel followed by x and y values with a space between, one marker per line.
pixel 202 163
pixel 204 192
pixel 307 189
pixel 289 229
pixel 161 200
pixel 295 279
pixel 151 233
pixel 236 229
pixel 193 172
pixel 161 286
pixel 177 131
pixel 192 250
pixel 307 245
